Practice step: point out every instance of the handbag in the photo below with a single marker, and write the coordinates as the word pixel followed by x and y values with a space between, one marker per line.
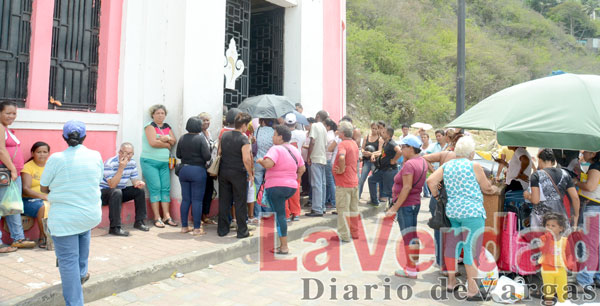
pixel 5 175
pixel 439 219
pixel 178 168
pixel 214 166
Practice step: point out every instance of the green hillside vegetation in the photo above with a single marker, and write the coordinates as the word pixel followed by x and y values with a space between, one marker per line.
pixel 401 54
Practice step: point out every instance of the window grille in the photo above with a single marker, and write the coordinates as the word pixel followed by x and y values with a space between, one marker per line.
pixel 74 59
pixel 238 27
pixel 15 37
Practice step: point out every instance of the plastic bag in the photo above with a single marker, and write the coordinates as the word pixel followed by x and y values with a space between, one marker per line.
pixel 487 272
pixel 12 203
pixel 508 291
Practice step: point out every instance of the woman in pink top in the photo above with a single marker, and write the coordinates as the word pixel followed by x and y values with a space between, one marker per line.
pixel 285 166
pixel 11 157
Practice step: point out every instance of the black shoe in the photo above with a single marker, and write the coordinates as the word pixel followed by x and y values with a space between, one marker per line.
pixel 314 214
pixel 141 226
pixel 85 278
pixel 118 231
pixel 478 298
pixel 245 236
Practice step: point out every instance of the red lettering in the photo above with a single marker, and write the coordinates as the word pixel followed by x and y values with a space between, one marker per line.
pixel 405 254
pixel 590 239
pixel 371 261
pixel 309 260
pixel 268 261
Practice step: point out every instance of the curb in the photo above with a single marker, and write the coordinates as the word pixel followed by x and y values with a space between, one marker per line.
pixel 101 286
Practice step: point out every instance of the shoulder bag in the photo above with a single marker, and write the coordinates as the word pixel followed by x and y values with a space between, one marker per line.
pixel 440 219
pixel 213 170
pixel 261 196
pixel 5 175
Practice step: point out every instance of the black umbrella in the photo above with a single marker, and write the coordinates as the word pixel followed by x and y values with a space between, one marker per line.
pixel 267 106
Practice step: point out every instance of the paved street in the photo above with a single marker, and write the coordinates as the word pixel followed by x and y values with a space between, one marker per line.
pixel 240 281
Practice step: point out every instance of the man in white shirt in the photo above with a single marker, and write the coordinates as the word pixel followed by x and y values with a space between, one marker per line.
pixel 405 130
pixel 317 160
pixel 519 169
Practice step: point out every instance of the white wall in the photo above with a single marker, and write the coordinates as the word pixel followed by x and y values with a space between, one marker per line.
pixel 151 67
pixel 303 55
pixel 203 57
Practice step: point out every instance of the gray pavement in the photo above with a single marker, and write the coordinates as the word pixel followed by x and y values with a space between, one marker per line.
pixel 241 282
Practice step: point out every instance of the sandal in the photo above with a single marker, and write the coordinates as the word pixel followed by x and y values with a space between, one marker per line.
pixel 185 230
pixel 209 221
pixel 158 223
pixel 170 222
pixel 7 249
pixel 402 273
pixel 458 284
pixel 278 251
pixel 42 243
pixel 198 232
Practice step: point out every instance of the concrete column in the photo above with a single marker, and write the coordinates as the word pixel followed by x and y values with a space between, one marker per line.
pixel 303 55
pixel 39 55
pixel 203 58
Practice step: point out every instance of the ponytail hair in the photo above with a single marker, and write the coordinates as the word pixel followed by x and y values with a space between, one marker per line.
pixel 73 139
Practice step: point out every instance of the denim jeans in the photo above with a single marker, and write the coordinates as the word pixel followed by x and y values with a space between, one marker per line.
pixel 72 253
pixel 277 197
pixel 407 219
pixel 385 179
pixel 259 176
pixel 426 192
pixel 586 277
pixel 193 184
pixel 15 225
pixel 436 233
pixel 364 174
pixel 318 183
pixel 330 186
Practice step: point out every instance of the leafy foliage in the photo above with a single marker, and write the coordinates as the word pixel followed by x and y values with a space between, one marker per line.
pixel 401 54
pixel 573 17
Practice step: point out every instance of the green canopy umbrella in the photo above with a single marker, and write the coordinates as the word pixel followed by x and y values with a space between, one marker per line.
pixel 559 112
pixel 267 106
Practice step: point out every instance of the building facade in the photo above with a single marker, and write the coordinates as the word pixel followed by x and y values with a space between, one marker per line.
pixel 105 62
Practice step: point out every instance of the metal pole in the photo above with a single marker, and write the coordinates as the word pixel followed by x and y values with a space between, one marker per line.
pixel 460 78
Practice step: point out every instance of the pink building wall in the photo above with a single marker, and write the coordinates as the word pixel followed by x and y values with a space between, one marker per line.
pixel 103 142
pixel 334 96
pixel 108 72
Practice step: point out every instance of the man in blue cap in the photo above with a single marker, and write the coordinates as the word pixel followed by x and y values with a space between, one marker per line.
pixel 71 179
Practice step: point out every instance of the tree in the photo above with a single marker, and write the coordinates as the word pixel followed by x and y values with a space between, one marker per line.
pixel 572 16
pixel 542 6
pixel 591 7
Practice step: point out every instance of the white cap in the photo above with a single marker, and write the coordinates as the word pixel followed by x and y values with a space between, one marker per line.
pixel 290 118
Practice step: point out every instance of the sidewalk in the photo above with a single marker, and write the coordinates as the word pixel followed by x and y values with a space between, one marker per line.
pixel 116 264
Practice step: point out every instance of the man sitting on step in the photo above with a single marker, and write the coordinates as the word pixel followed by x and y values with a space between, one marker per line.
pixel 118 172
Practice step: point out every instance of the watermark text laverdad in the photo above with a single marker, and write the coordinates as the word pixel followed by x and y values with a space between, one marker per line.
pixel 370 252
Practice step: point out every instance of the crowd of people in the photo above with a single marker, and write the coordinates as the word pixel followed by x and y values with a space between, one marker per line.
pixel 264 165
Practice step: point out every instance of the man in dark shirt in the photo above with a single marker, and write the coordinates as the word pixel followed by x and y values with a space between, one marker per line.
pixel 385 167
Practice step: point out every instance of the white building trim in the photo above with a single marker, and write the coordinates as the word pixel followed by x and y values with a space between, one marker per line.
pixel 284 3
pixel 43 120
